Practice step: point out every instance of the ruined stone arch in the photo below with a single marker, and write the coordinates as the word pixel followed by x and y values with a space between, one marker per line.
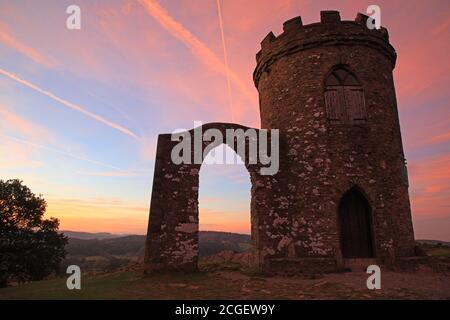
pixel 217 179
pixel 172 237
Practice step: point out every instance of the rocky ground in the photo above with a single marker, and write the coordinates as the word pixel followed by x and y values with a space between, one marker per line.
pixel 423 283
pixel 224 276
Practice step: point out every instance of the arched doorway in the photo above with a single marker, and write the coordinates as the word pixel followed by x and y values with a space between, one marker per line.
pixel 355 221
pixel 224 209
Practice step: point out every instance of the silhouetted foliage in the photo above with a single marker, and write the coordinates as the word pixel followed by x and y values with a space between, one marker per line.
pixel 30 246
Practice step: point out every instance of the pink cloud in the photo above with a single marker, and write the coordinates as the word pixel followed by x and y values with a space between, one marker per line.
pixel 14 155
pixel 430 187
pixel 7 38
pixel 197 47
pixel 16 123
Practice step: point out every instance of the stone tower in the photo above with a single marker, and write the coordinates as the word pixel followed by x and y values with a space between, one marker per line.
pixel 341 191
pixel 329 88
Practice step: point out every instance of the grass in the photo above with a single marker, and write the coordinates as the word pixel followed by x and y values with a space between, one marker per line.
pixel 129 285
pixel 92 287
pixel 137 286
pixel 439 252
pixel 243 284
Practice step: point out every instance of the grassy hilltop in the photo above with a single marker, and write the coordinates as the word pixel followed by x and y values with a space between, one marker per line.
pixel 227 281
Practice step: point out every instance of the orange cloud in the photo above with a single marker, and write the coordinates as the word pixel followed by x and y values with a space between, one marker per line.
pixel 430 187
pixel 10 41
pixel 15 122
pixel 13 155
pixel 211 220
pixel 198 48
pixel 440 138
pixel 94 215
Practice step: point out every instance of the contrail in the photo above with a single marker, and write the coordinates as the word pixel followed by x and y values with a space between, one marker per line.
pixel 198 48
pixel 68 103
pixel 225 57
pixel 39 146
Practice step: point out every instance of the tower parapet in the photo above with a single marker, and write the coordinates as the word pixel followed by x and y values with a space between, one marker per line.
pixel 330 31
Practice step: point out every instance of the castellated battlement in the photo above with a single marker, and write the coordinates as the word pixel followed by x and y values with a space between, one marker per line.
pixel 330 31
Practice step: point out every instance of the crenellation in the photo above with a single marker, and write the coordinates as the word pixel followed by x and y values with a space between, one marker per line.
pixel 330 17
pixel 293 24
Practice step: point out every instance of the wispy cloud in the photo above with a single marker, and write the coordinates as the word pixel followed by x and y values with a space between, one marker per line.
pixel 109 173
pixel 197 47
pixel 440 138
pixel 8 39
pixel 13 121
pixel 99 214
pixel 430 187
pixel 61 152
pixel 68 104
pixel 14 155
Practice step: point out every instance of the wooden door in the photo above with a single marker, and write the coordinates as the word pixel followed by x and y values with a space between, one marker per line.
pixel 355 226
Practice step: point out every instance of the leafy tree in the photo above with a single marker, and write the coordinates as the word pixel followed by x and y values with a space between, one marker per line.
pixel 30 246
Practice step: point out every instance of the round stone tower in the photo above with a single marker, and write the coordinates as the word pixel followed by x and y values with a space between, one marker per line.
pixel 329 88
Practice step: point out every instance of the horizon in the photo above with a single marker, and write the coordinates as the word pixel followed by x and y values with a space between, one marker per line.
pixel 246 234
pixel 80 111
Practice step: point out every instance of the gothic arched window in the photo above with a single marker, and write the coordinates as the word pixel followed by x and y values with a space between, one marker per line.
pixel 344 97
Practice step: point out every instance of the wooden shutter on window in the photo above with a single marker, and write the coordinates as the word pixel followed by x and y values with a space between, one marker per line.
pixel 332 103
pixel 354 101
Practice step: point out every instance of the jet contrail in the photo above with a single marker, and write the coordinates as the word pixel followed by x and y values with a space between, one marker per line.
pixel 68 103
pixel 225 57
pixel 198 48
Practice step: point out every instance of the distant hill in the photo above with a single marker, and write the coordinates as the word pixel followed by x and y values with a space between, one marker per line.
pixel 88 235
pixel 212 242
pixel 106 252
pixel 128 246
pixel 435 242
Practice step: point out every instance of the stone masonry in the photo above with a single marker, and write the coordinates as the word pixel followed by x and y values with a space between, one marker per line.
pixel 333 170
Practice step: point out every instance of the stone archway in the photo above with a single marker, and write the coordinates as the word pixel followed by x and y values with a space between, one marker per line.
pixel 224 206
pixel 172 236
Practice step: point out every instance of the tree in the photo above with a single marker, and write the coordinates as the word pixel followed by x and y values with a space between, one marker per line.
pixel 30 246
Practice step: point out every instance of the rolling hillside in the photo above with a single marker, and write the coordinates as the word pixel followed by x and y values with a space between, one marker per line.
pixel 105 252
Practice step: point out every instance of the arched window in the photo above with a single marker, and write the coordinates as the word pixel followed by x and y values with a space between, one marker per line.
pixel 344 97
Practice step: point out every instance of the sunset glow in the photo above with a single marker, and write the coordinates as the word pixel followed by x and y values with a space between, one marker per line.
pixel 80 110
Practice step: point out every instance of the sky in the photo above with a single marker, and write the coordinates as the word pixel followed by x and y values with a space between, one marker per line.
pixel 80 110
